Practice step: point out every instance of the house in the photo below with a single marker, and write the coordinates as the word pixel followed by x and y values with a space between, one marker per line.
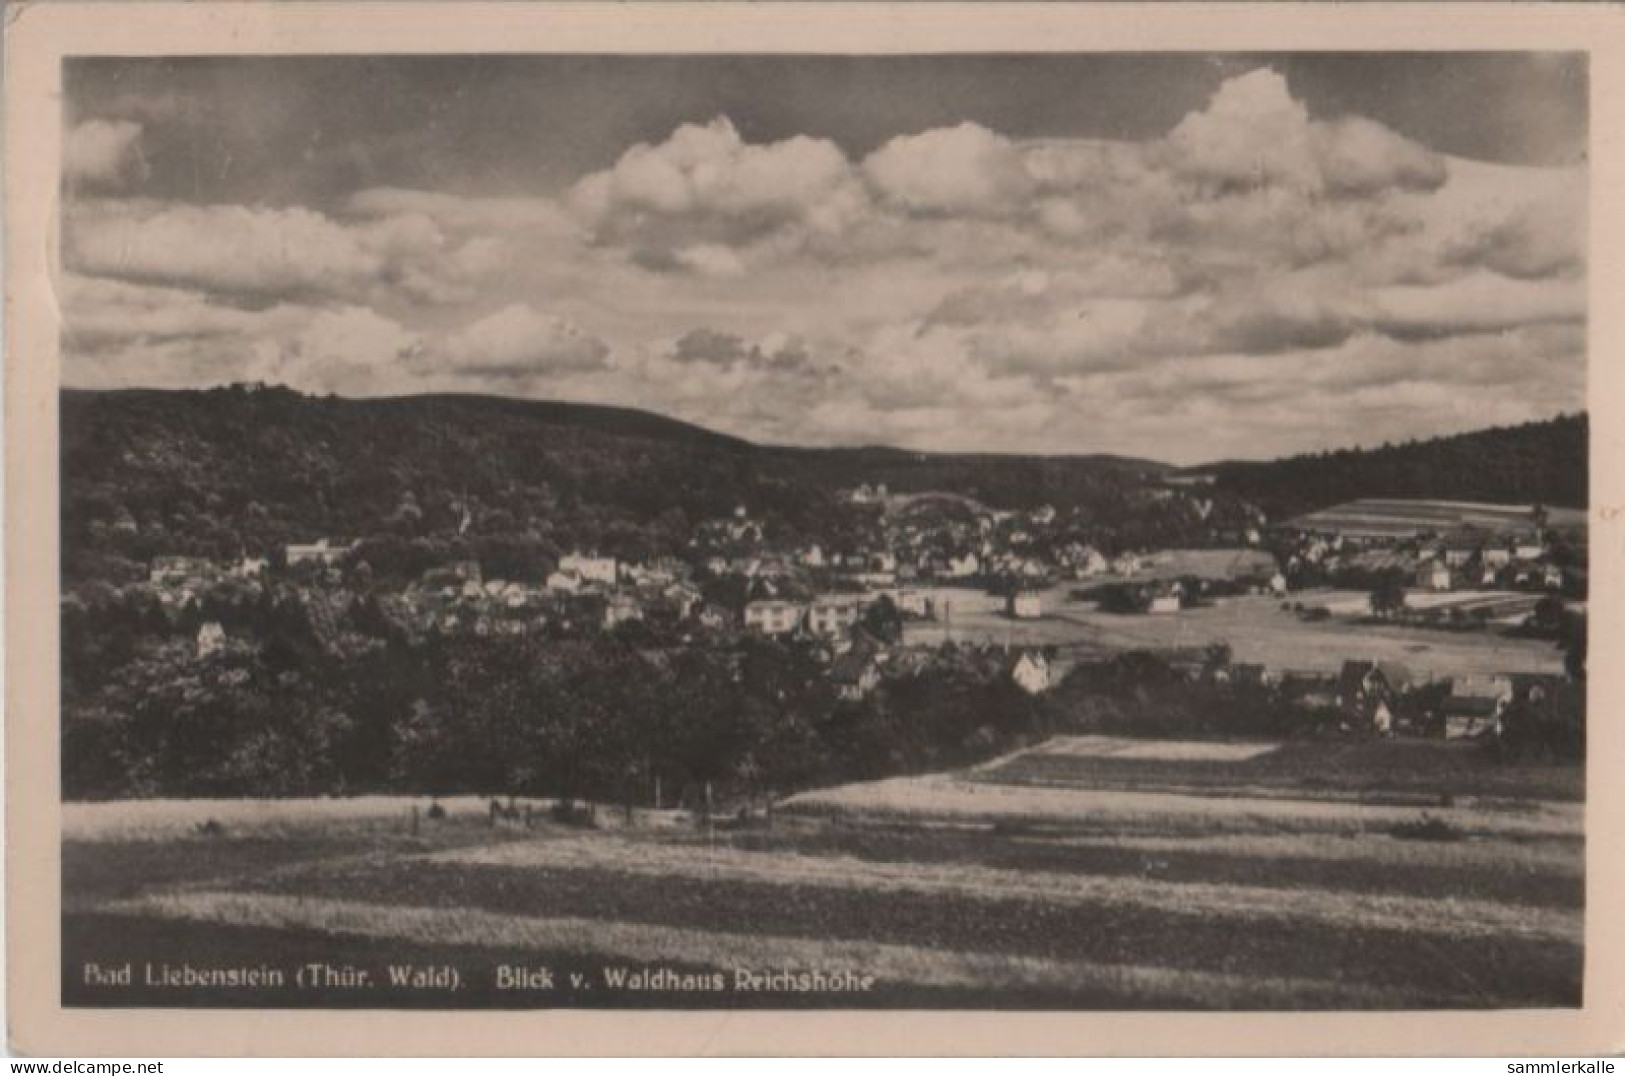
pixel 1031 673
pixel 1311 689
pixel 1278 584
pixel 773 616
pixel 621 609
pixel 1528 550
pixel 1433 575
pixel 179 571
pixel 1459 547
pixel 211 639
pixel 1164 603
pixel 1368 692
pixel 1467 717
pixel 1092 563
pixel 565 582
pixel 912 603
pixel 812 557
pixel 1498 557
pixel 1024 605
pixel 681 599
pixel 1552 577
pixel 832 617
pixel 855 673
pixel 320 552
pixel 1126 564
pixel 589 568
pixel 250 567
pixel 1044 515
pixel 963 567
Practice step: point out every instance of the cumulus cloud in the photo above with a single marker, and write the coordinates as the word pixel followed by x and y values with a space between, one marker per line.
pixel 684 202
pixel 1253 133
pixel 352 349
pixel 104 153
pixel 964 169
pixel 519 343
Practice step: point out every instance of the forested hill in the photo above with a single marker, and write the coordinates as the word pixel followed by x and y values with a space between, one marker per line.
pixel 221 472
pixel 1535 463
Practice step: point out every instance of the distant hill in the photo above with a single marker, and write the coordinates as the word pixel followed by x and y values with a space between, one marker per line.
pixel 221 472
pixel 1535 463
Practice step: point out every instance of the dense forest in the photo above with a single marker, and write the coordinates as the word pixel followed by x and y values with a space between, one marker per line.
pixel 1535 463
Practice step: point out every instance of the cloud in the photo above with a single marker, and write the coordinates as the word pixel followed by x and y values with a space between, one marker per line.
pixel 684 202
pixel 102 153
pixel 964 169
pixel 352 349
pixel 1479 301
pixel 778 352
pixel 1254 134
pixel 518 343
pixel 259 253
pixel 1259 278
pixel 233 249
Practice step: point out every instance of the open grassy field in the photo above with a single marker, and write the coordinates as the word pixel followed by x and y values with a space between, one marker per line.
pixel 1086 873
pixel 1257 629
pixel 1386 518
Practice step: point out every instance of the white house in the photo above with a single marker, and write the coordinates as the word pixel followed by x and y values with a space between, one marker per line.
pixel 1164 603
pixel 1031 673
pixel 321 552
pixel 567 582
pixel 590 569
pixel 211 639
pixel 620 609
pixel 773 616
pixel 833 616
pixel 1278 583
pixel 1433 576
pixel 964 567
pixel 249 567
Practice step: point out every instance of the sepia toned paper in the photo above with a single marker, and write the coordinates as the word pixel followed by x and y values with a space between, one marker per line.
pixel 399 299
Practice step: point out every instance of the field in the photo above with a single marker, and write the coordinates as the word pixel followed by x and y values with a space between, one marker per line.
pixel 1257 629
pixel 1089 872
pixel 1379 518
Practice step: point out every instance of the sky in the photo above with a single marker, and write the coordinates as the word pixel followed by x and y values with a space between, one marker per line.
pixel 1184 257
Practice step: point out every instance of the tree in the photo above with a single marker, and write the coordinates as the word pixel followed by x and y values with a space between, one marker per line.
pixel 1549 613
pixel 883 620
pixel 1387 598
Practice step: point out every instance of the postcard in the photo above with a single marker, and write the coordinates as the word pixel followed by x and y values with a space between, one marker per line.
pixel 813 529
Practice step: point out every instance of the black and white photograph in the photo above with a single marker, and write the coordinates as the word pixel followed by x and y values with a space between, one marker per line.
pixel 1056 531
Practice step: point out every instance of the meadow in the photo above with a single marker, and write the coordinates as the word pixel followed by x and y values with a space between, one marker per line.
pixel 1088 872
pixel 1256 628
pixel 1389 518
